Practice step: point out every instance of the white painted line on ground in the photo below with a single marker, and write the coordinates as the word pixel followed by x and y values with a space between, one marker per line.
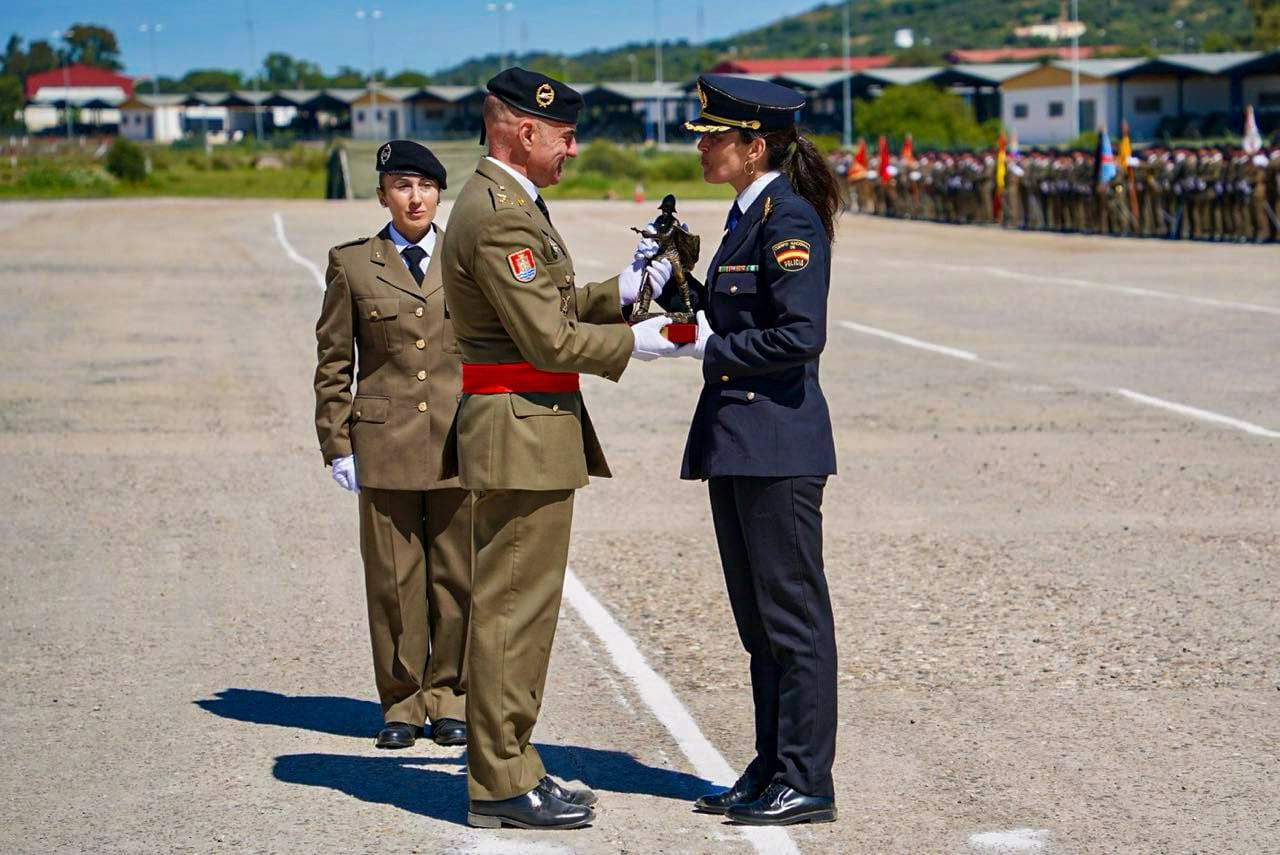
pixel 1138 397
pixel 1014 840
pixel 1197 413
pixel 293 254
pixel 659 697
pixel 1130 290
pixel 911 342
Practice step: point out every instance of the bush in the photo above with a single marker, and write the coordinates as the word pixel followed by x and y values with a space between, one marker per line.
pixel 672 167
pixel 605 158
pixel 126 161
pixel 87 182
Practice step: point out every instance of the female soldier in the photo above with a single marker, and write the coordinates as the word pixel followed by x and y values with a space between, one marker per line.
pixel 761 436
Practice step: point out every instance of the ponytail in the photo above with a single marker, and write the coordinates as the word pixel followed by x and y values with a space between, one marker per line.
pixel 795 157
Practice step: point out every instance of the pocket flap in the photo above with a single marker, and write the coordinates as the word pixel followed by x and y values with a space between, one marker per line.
pixel 541 404
pixel 370 408
pixel 733 284
pixel 744 395
pixel 378 308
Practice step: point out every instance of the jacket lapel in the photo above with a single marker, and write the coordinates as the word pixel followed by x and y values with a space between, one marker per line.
pixel 434 279
pixel 391 267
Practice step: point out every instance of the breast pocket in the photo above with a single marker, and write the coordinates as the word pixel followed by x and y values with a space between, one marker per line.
pixel 378 325
pixel 734 299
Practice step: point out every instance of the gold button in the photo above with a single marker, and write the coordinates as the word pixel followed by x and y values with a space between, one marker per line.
pixel 555 408
pixel 567 279
pixel 374 314
pixel 420 344
pixel 418 312
pixel 724 378
pixel 357 414
pixel 422 375
pixel 422 407
pixel 733 289
pixel 751 396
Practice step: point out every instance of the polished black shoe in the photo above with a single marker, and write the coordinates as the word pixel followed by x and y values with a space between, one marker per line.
pixel 746 789
pixel 449 731
pixel 537 808
pixel 572 796
pixel 396 734
pixel 783 805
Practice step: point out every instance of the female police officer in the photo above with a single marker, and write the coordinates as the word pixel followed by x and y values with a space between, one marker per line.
pixel 761 436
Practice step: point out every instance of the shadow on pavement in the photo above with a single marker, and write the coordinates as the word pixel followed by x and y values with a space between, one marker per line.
pixel 402 780
pixel 323 714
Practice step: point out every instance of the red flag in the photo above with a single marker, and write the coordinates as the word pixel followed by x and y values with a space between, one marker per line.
pixel 907 154
pixel 884 161
pixel 861 157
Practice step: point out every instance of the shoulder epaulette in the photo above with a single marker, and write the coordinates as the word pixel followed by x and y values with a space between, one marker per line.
pixel 502 198
pixel 357 242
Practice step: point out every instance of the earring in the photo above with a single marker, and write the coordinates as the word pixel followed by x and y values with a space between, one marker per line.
pixel 750 167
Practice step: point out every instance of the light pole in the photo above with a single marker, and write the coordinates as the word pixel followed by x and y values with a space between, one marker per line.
pixel 66 82
pixel 657 73
pixel 253 65
pixel 1075 68
pixel 635 73
pixel 501 10
pixel 369 17
pixel 152 29
pixel 847 85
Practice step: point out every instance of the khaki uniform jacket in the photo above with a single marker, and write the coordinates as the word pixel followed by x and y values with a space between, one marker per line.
pixel 407 372
pixel 506 311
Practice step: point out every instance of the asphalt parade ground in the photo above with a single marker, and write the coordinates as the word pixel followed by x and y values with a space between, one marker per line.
pixel 1053 549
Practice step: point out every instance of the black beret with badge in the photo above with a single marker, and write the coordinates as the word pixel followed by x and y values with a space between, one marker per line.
pixel 536 94
pixel 406 157
pixel 731 102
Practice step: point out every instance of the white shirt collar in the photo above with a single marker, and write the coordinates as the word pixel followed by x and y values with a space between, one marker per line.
pixel 529 187
pixel 428 242
pixel 753 190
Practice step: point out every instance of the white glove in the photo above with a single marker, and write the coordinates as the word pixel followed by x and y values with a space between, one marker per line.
pixel 647 246
pixel 698 348
pixel 649 342
pixel 344 472
pixel 632 276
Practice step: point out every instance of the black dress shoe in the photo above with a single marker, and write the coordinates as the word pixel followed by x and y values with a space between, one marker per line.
pixel 572 796
pixel 396 734
pixel 449 731
pixel 537 808
pixel 783 805
pixel 746 789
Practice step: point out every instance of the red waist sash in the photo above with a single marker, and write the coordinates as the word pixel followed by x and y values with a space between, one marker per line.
pixel 501 377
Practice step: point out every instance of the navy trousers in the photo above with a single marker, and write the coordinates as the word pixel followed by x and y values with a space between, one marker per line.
pixel 769 531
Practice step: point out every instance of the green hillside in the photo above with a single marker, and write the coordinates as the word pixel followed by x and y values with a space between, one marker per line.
pixel 1136 26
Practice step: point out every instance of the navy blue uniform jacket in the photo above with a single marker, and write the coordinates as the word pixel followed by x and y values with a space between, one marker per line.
pixel 761 412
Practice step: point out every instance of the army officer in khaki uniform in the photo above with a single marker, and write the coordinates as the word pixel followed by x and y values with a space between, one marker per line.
pixel 385 329
pixel 522 439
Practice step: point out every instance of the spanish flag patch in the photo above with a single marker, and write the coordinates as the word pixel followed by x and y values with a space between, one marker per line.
pixel 791 254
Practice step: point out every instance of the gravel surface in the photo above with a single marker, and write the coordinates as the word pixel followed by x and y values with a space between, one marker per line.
pixel 1056 608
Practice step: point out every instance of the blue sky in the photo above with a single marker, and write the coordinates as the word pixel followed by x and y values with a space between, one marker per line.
pixel 422 35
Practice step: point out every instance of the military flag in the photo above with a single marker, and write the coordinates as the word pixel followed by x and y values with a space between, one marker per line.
pixel 907 154
pixel 1252 139
pixel 860 157
pixel 1126 164
pixel 1105 159
pixel 997 203
pixel 884 161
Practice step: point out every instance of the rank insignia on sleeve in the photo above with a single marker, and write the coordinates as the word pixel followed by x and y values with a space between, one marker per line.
pixel 791 254
pixel 523 267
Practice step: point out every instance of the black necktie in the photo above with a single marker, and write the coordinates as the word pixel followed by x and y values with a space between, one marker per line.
pixel 542 206
pixel 413 256
pixel 735 214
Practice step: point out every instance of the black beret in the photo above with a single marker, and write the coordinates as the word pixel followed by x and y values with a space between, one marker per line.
pixel 741 102
pixel 406 157
pixel 537 94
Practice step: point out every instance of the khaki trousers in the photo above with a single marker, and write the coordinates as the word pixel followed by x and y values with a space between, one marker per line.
pixel 521 548
pixel 416 547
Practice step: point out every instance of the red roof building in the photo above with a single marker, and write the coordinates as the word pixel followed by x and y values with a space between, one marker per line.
pixel 1023 54
pixel 798 64
pixel 78 77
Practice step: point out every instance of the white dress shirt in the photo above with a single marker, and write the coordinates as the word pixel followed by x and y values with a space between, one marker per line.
pixel 428 244
pixel 753 190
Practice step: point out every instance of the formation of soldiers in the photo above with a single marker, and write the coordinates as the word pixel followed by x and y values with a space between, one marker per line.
pixel 1216 194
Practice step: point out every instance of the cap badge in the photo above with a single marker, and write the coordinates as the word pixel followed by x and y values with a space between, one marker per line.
pixel 702 97
pixel 545 95
pixel 385 154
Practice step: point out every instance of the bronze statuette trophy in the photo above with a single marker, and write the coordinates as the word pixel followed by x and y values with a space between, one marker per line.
pixel 678 246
